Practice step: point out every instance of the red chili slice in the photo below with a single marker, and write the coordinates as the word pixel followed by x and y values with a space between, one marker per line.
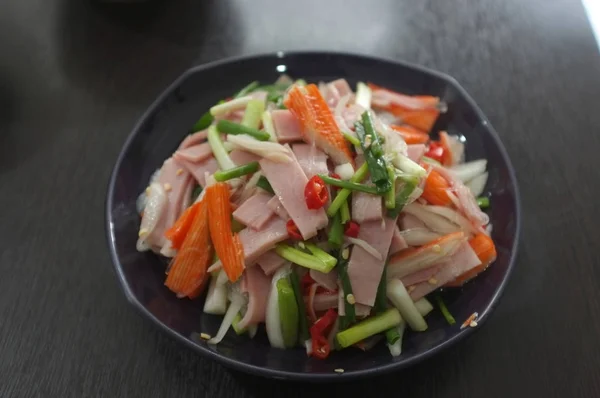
pixel 315 193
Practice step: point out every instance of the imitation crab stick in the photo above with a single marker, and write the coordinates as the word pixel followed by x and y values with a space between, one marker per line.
pixel 435 190
pixel 318 124
pixel 412 260
pixel 484 247
pixel 411 135
pixel 227 244
pixel 188 270
pixel 177 233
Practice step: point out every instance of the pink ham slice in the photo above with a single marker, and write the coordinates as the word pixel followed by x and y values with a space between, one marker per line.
pixel 323 302
pixel 256 243
pixel 194 139
pixel 312 160
pixel 270 262
pixel 254 212
pixel 335 90
pixel 286 126
pixel 415 152
pixel 364 270
pixel 398 242
pixel 198 169
pixel 241 158
pixel 275 205
pixel 196 153
pixel 366 207
pixel 420 276
pixel 328 281
pixel 288 181
pixel 175 184
pixel 186 199
pixel 463 260
pixel 257 285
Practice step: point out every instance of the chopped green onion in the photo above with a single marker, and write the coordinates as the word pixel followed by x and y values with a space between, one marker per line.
pixel 363 95
pixel 392 335
pixel 227 127
pixel 430 161
pixel 353 140
pixel 295 282
pixel 336 231
pixel 301 258
pixel 343 194
pixel 350 316
pixel 321 254
pixel 373 152
pixel 353 186
pixel 248 89
pixel 204 121
pixel 381 296
pixel 447 315
pixel 253 114
pixel 235 324
pixel 405 164
pixel 401 199
pixel 483 202
pixel 224 175
pixel 345 212
pixel 196 192
pixel 390 196
pixel 398 295
pixel 264 184
pixel 288 312
pixel 267 122
pixel 369 327
pixel 229 106
pixel 221 155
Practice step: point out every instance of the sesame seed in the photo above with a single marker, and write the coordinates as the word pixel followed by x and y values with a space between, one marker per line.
pixel 143 232
pixel 411 288
pixel 436 248
pixel 432 281
pixel 301 245
pixel 167 187
pixel 179 172
pixel 345 253
pixel 471 321
pixel 350 298
pixel 473 324
pixel 205 336
pixel 148 191
pixel 339 370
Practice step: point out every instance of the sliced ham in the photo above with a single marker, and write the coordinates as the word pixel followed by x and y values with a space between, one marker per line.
pixel 366 207
pixel 254 212
pixel 198 169
pixel 312 160
pixel 270 262
pixel 364 270
pixel 257 286
pixel 195 153
pixel 332 92
pixel 194 139
pixel 256 243
pixel 186 198
pixel 241 158
pixel 323 302
pixel 398 242
pixel 420 276
pixel 175 185
pixel 288 181
pixel 275 205
pixel 328 280
pixel 286 126
pixel 415 152
pixel 463 260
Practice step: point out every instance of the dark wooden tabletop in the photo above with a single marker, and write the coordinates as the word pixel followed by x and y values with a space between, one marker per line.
pixel 75 76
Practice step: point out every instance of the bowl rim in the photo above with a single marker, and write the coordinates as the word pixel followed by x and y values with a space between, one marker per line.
pixel 283 374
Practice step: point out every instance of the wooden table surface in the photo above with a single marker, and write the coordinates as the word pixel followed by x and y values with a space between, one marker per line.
pixel 75 76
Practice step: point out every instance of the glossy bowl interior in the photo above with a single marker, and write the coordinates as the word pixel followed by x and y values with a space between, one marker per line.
pixel 168 120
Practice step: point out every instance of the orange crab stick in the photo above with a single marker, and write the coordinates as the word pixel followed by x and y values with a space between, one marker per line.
pixel 177 233
pixel 435 190
pixel 411 135
pixel 318 124
pixel 420 111
pixel 188 273
pixel 412 260
pixel 227 244
pixel 485 249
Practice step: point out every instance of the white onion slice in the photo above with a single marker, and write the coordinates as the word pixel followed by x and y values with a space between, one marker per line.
pixel 477 184
pixel 419 236
pixel 368 248
pixel 468 171
pixel 433 221
pixel 345 171
pixel 266 149
pixel 155 206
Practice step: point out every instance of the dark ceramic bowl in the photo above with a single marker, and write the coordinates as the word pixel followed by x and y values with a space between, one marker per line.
pixel 166 123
